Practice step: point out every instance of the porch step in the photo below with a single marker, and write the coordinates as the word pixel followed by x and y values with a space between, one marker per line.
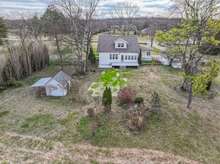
pixel 122 67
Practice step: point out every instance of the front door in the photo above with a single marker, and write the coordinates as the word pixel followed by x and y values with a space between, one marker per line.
pixel 122 58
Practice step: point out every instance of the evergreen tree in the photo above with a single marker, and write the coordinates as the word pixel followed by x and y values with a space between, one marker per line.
pixel 140 58
pixel 92 57
pixel 3 31
pixel 107 99
pixel 54 25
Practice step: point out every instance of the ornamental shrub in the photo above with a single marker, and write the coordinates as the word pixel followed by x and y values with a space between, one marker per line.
pixel 126 96
pixel 139 100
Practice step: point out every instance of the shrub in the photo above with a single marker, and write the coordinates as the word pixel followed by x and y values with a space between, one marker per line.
pixel 155 103
pixel 91 112
pixel 126 96
pixel 107 99
pixel 139 100
pixel 136 120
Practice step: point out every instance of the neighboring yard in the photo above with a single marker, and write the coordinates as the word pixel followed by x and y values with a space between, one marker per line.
pixel 37 129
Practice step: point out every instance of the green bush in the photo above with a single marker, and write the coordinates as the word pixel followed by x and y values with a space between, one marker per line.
pixel 139 100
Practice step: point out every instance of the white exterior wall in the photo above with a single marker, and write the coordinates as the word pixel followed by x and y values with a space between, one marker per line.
pixel 55 89
pixel 106 62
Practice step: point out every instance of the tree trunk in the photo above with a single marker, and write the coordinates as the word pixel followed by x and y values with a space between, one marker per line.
pixel 186 85
pixel 190 97
pixel 87 54
pixel 107 108
pixel 171 62
pixel 209 85
pixel 152 41
pixel 59 51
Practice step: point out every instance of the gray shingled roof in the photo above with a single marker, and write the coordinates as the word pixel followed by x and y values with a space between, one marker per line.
pixel 106 44
pixel 62 77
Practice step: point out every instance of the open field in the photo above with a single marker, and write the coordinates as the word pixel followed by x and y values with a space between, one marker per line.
pixel 32 126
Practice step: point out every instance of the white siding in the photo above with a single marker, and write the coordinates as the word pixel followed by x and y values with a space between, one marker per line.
pixel 53 88
pixel 128 59
pixel 104 60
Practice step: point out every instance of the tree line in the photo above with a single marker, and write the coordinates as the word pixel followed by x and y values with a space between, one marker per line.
pixel 22 59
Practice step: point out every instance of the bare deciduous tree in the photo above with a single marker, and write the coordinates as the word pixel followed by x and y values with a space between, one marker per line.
pixel 79 15
pixel 126 12
pixel 35 27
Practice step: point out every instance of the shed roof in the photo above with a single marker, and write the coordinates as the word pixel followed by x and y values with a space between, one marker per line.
pixel 42 82
pixel 62 77
pixel 106 44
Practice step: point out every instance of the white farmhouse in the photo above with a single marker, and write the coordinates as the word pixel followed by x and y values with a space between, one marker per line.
pixel 118 51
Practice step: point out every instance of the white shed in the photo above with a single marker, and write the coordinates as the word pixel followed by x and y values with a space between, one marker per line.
pixel 57 86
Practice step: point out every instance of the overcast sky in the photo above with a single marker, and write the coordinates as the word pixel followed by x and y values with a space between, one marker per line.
pixel 12 9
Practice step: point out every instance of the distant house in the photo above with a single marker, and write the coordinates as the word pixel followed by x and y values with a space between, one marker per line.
pixel 146 53
pixel 118 51
pixel 56 86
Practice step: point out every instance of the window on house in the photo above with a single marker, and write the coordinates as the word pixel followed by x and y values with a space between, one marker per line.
pixel 116 56
pixel 120 45
pixel 110 56
pixel 126 57
pixel 148 53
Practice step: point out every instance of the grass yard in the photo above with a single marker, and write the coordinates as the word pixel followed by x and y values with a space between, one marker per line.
pixel 52 126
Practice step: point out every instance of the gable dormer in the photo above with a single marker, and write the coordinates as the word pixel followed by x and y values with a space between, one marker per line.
pixel 121 44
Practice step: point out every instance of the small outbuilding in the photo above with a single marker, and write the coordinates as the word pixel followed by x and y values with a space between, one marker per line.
pixel 56 86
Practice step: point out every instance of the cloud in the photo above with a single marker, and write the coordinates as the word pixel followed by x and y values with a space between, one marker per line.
pixel 11 9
